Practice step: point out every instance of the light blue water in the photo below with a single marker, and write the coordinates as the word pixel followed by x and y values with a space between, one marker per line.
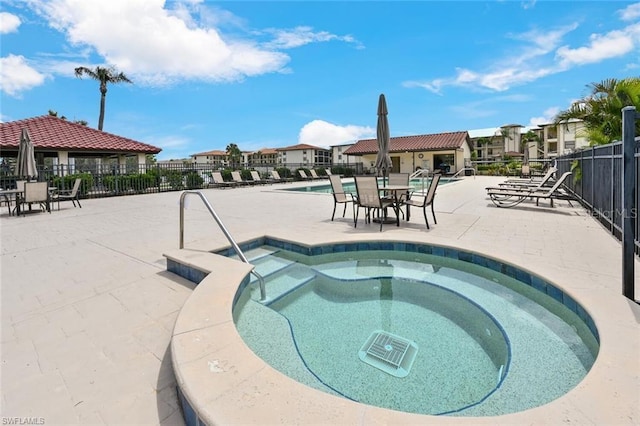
pixel 420 185
pixel 486 344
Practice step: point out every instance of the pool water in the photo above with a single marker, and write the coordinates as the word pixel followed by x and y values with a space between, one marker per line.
pixel 485 343
pixel 419 185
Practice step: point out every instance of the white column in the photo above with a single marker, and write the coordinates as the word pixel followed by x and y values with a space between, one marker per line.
pixel 61 163
pixel 142 163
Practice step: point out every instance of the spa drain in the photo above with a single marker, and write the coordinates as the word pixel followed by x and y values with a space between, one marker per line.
pixel 390 353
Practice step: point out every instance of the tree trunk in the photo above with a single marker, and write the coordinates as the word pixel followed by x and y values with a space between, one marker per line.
pixel 103 98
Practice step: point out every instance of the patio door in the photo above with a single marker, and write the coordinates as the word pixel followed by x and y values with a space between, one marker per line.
pixel 395 165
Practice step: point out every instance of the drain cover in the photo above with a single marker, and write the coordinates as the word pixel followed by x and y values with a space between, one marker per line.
pixel 390 353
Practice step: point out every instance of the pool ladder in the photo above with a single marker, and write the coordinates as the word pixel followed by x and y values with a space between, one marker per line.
pixel 263 293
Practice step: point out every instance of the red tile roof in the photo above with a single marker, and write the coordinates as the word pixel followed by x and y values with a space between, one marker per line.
pixel 438 141
pixel 211 153
pixel 49 133
pixel 301 146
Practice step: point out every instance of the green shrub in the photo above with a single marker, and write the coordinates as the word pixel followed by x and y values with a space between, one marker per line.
pixel 67 182
pixel 174 178
pixel 194 180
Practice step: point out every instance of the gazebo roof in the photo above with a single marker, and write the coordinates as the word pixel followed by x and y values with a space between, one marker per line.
pixel 49 133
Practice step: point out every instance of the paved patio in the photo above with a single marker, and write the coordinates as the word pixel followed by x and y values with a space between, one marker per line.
pixel 87 308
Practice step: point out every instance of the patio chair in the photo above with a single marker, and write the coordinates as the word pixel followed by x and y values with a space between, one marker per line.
pixel 533 180
pixel 368 197
pixel 238 179
pixel 258 179
pixel 218 181
pixel 276 177
pixel 303 175
pixel 328 172
pixel 546 181
pixel 69 195
pixel 525 171
pixel 401 179
pixel 425 200
pixel 339 196
pixel 509 197
pixel 35 193
pixel 315 175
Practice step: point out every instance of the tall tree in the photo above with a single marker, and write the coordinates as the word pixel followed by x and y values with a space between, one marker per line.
pixel 104 76
pixel 234 154
pixel 601 109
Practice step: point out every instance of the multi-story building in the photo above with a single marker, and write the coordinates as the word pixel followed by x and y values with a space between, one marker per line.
pixel 542 142
pixel 304 155
pixel 214 158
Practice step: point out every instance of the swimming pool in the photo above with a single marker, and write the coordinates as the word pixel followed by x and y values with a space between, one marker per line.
pixel 419 184
pixel 488 338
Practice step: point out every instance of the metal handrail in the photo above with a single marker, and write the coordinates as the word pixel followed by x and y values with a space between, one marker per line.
pixel 463 169
pixel 419 172
pixel 263 293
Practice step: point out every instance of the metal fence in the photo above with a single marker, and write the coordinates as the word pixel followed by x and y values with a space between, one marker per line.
pixel 597 182
pixel 606 180
pixel 109 180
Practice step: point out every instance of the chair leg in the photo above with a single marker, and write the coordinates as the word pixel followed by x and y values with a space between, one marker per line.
pixel 78 201
pixel 424 210
pixel 345 210
pixel 334 210
pixel 434 214
pixel 355 216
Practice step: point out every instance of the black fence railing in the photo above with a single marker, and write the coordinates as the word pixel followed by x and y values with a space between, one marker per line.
pixel 107 180
pixel 597 182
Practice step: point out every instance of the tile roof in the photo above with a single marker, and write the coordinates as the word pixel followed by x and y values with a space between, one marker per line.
pixel 301 146
pixel 210 153
pixel 438 141
pixel 49 133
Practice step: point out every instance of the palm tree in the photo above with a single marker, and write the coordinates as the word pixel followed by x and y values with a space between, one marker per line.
pixel 104 76
pixel 601 109
pixel 235 155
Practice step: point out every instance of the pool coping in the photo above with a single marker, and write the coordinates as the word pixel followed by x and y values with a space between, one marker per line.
pixel 221 381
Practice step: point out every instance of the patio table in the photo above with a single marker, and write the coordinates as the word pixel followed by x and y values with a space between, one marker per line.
pixel 393 191
pixel 8 195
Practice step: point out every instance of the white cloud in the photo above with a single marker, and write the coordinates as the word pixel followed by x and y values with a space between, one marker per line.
pixel 299 36
pixel 630 12
pixel 547 117
pixel 543 55
pixel 601 46
pixel 16 75
pixel 158 46
pixel 324 134
pixel 155 45
pixel 8 23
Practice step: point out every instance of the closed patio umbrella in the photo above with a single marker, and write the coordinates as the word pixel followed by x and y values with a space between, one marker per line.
pixel 383 160
pixel 26 162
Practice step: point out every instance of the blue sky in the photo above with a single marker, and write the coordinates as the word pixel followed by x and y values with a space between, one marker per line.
pixel 274 74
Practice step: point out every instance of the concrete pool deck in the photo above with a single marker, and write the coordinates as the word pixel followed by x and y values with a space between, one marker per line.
pixel 88 308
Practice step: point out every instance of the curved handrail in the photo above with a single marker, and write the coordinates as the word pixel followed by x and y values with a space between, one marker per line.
pixel 263 293
pixel 418 173
pixel 462 170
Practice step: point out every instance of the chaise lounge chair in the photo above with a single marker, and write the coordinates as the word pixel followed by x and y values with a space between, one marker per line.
pixel 303 175
pixel 315 175
pixel 237 179
pixel 257 179
pixel 277 178
pixel 219 182
pixel 546 181
pixel 511 196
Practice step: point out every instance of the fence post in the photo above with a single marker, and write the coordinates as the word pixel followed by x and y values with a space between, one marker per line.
pixel 629 117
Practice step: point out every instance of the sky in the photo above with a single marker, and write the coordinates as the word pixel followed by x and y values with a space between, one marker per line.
pixel 268 74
